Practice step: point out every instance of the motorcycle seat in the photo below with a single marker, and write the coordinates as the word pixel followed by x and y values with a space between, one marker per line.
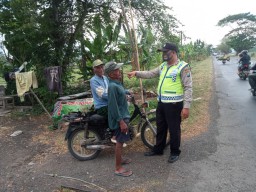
pixel 97 119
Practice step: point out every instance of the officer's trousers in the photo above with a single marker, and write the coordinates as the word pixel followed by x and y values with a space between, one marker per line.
pixel 168 117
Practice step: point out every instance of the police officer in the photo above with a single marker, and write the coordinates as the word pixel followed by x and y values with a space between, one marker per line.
pixel 174 99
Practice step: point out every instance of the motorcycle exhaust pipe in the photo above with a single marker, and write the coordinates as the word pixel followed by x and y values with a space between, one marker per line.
pixel 97 147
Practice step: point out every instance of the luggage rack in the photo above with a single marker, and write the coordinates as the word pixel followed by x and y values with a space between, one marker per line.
pixel 76 96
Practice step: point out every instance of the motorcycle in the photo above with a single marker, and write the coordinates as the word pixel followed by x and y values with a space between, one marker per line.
pixel 243 71
pixel 88 133
pixel 253 91
pixel 253 88
pixel 224 59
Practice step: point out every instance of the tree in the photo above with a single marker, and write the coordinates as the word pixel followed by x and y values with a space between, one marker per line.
pixel 224 48
pixel 243 33
pixel 197 50
pixel 62 33
pixel 17 24
pixel 241 42
pixel 101 40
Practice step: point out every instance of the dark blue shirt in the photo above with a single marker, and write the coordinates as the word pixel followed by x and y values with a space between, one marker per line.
pixel 245 59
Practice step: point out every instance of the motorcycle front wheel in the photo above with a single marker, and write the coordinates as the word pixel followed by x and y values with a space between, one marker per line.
pixel 253 92
pixel 77 144
pixel 148 133
pixel 244 76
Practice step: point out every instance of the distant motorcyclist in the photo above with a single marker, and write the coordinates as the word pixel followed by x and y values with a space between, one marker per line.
pixel 244 61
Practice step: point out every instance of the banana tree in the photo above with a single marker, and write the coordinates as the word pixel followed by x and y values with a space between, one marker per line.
pixel 99 42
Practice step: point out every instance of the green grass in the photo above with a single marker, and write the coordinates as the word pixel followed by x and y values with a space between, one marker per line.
pixel 202 74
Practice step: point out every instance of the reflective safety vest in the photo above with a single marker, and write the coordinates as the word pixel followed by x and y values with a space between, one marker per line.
pixel 170 88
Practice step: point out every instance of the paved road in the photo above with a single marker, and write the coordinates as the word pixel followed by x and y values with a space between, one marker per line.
pixel 231 162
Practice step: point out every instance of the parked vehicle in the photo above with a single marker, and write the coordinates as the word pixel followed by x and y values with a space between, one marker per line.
pixel 88 133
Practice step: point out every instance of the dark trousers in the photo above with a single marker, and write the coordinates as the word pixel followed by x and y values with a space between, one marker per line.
pixel 252 80
pixel 103 111
pixel 168 117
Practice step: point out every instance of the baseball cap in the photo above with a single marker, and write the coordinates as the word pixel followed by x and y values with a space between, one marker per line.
pixel 111 66
pixel 97 62
pixel 168 47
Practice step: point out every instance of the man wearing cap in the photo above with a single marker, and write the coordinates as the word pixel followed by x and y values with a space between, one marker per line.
pixel 99 88
pixel 118 115
pixel 174 99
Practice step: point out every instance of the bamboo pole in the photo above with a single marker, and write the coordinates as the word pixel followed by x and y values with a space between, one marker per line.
pixel 133 40
pixel 127 23
pixel 49 115
pixel 136 53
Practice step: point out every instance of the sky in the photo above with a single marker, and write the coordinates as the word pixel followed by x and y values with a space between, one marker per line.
pixel 200 17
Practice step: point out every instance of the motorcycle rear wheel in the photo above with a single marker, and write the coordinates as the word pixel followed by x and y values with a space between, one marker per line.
pixel 148 136
pixel 242 76
pixel 76 148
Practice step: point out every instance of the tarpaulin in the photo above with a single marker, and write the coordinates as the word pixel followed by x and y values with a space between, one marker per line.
pixel 65 107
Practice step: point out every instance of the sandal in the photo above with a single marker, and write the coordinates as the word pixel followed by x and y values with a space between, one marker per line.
pixel 126 161
pixel 124 173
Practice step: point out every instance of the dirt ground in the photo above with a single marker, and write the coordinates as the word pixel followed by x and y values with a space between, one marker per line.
pixel 38 160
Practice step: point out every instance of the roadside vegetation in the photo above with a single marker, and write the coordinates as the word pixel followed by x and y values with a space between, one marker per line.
pixel 73 34
pixel 202 90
